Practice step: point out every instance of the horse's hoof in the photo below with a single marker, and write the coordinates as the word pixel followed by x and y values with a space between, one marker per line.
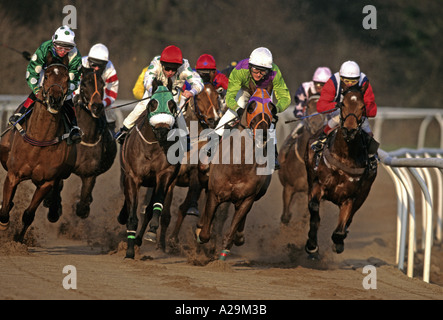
pixel 82 210
pixel 4 226
pixel 314 256
pixel 193 211
pixel 338 247
pixel 311 249
pixel 151 236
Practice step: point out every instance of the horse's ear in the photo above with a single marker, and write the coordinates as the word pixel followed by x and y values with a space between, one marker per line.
pixel 252 87
pixel 169 84
pixel 49 58
pixel 154 85
pixel 365 87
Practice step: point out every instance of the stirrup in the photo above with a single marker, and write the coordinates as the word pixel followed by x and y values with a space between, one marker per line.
pixel 14 118
pixel 75 134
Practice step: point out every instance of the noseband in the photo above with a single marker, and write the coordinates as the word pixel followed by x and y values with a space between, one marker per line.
pixel 344 118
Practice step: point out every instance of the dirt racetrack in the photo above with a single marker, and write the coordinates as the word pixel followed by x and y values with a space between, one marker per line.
pixel 271 265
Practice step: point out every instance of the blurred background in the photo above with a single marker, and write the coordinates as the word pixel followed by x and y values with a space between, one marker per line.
pixel 402 57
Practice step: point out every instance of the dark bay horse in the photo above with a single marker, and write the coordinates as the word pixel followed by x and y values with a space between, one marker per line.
pixel 97 150
pixel 292 173
pixel 343 175
pixel 39 152
pixel 202 112
pixel 239 176
pixel 144 160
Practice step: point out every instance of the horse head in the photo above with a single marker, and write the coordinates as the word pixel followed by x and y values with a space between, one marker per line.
pixel 161 111
pixel 91 91
pixel 207 107
pixel 352 111
pixel 55 83
pixel 259 113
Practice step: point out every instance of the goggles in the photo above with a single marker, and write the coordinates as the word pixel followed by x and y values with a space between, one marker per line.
pixel 170 69
pixel 263 72
pixel 349 81
pixel 319 84
pixel 63 48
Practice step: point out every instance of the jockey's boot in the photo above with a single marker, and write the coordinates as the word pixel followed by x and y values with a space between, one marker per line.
pixel 74 132
pixel 276 164
pixel 121 135
pixel 318 145
pixel 22 109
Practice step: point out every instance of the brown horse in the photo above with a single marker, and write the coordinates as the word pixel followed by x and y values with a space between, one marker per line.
pixel 292 173
pixel 203 112
pixel 38 150
pixel 342 175
pixel 239 176
pixel 97 150
pixel 145 162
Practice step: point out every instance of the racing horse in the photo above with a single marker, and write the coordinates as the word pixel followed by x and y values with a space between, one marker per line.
pixel 240 176
pixel 292 173
pixel 342 173
pixel 38 149
pixel 97 150
pixel 202 112
pixel 144 161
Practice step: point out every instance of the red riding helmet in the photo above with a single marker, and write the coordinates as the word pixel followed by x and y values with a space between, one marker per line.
pixel 206 61
pixel 172 54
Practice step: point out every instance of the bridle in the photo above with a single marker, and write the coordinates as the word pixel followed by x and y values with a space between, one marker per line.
pixel 203 117
pixel 344 118
pixel 45 93
pixel 96 92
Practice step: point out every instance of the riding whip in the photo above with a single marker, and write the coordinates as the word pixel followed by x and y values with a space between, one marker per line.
pixel 311 115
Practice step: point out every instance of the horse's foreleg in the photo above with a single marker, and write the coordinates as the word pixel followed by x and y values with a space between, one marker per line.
pixel 235 234
pixel 82 208
pixel 158 198
pixel 344 220
pixel 311 246
pixel 146 215
pixel 203 231
pixel 29 214
pixel 9 188
pixel 193 194
pixel 55 201
pixel 131 198
pixel 288 194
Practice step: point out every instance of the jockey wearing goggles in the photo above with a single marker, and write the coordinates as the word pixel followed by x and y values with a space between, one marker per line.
pixel 98 59
pixel 62 44
pixel 306 90
pixel 169 65
pixel 332 95
pixel 260 69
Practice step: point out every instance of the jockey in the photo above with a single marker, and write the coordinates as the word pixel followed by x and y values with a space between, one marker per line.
pixel 260 69
pixel 98 59
pixel 61 44
pixel 331 95
pixel 170 64
pixel 306 90
pixel 207 69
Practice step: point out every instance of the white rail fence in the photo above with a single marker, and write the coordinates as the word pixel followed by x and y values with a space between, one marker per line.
pixel 421 164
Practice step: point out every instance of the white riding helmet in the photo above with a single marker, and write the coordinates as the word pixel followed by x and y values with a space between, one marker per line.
pixel 261 57
pixel 99 51
pixel 64 36
pixel 349 69
pixel 322 74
